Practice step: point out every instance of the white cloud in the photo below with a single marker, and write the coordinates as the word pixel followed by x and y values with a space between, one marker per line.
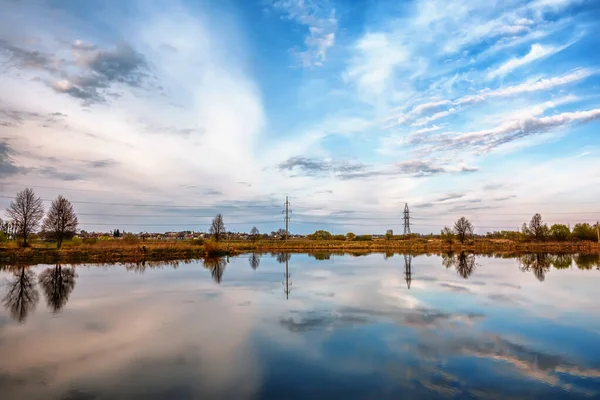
pixel 536 52
pixel 436 116
pixel 487 139
pixel 374 63
pixel 322 26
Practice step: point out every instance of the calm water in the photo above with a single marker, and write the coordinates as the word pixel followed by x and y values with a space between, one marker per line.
pixel 342 327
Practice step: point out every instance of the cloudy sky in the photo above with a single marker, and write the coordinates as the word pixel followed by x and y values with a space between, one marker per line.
pixel 153 116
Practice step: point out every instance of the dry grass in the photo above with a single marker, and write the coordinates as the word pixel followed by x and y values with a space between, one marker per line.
pixel 120 250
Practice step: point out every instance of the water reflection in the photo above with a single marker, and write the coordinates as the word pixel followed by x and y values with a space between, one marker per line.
pixel 57 284
pixel 408 269
pixel 21 293
pixel 217 267
pixel 287 282
pixel 464 263
pixel 254 261
pixel 539 263
pixel 283 257
pixel 349 333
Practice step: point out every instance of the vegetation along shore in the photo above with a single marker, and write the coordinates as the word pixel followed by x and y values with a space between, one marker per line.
pixel 61 240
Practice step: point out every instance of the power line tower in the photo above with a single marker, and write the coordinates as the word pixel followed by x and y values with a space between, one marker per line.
pixel 287 212
pixel 406 220
pixel 287 282
pixel 408 269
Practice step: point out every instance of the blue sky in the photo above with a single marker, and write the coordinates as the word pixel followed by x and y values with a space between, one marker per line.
pixel 153 116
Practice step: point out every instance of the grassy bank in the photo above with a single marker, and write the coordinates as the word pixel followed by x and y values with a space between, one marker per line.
pixel 122 251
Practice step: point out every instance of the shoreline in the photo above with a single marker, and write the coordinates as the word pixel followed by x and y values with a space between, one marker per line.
pixel 164 251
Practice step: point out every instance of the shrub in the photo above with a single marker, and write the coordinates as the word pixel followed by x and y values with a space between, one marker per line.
pixel 198 242
pixel 350 236
pixel 212 248
pixel 320 235
pixel 130 239
pixel 339 237
pixel 364 238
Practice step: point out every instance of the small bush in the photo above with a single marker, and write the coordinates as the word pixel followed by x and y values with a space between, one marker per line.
pixel 363 238
pixel 130 239
pixel 212 248
pixel 197 242
pixel 90 240
pixel 339 237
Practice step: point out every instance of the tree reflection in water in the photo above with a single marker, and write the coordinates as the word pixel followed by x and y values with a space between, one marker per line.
pixel 539 263
pixel 21 294
pixel 217 267
pixel 254 261
pixel 464 263
pixel 57 284
pixel 283 257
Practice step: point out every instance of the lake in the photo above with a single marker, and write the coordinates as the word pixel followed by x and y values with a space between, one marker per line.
pixel 339 326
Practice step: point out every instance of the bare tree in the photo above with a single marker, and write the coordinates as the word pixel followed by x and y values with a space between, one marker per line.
pixel 21 294
pixel 26 210
pixel 57 284
pixel 254 233
pixel 217 227
pixel 61 221
pixel 463 229
pixel 537 229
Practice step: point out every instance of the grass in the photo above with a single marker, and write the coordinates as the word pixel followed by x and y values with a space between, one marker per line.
pixel 132 250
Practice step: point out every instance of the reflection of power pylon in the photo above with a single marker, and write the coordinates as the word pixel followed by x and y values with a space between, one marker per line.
pixel 408 269
pixel 287 282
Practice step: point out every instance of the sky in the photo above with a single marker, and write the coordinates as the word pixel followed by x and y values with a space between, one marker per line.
pixel 154 116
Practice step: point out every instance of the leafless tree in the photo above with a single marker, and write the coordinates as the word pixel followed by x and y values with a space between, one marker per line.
pixel 57 284
pixel 21 294
pixel 60 222
pixel 26 210
pixel 217 227
pixel 254 261
pixel 254 233
pixel 463 229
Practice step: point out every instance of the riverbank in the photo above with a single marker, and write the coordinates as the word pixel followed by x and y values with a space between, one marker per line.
pixel 120 251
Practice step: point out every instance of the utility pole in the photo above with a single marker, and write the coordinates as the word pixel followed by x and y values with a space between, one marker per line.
pixel 406 221
pixel 287 217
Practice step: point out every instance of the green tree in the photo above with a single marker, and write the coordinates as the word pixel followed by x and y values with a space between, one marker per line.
pixel 350 236
pixel 389 234
pixel 584 231
pixel 560 232
pixel 537 229
pixel 447 235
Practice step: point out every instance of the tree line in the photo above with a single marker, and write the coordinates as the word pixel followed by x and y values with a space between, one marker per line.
pixel 59 223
